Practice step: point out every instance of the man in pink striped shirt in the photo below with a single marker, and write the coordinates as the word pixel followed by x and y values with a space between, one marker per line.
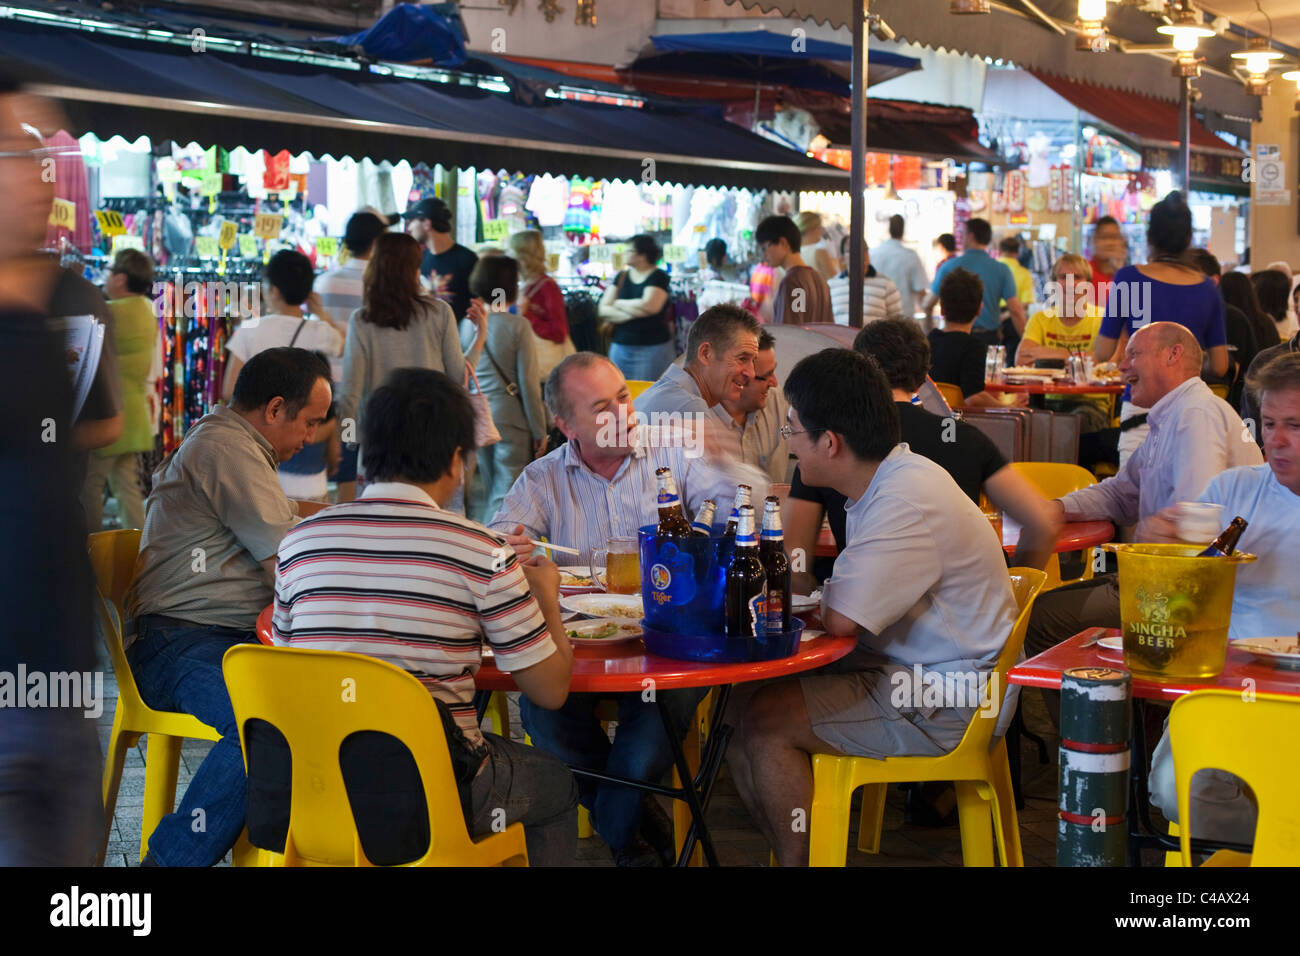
pixel 395 576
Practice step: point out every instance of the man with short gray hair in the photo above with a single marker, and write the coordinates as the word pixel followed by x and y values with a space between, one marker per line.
pixel 720 353
pixel 1195 435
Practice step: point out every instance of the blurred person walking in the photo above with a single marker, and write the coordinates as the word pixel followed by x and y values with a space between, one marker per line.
pixel 50 759
pixel 541 302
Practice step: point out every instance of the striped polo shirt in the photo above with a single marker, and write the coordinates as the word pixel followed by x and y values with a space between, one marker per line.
pixel 393 576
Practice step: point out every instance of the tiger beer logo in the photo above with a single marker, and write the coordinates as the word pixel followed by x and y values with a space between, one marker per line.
pixel 660 577
pixel 1154 608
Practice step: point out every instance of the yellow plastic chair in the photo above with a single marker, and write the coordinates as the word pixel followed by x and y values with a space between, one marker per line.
pixel 1055 480
pixel 1217 729
pixel 498 711
pixel 637 386
pixel 986 806
pixel 1220 390
pixel 112 555
pixel 951 394
pixel 315 719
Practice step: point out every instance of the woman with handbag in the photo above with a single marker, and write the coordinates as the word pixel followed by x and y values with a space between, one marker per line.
pixel 399 325
pixel 541 302
pixel 508 377
pixel 637 305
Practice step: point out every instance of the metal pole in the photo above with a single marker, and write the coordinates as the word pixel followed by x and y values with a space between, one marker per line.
pixel 1185 133
pixel 858 167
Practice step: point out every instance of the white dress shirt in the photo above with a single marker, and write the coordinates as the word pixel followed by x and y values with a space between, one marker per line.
pixel 560 497
pixel 1194 436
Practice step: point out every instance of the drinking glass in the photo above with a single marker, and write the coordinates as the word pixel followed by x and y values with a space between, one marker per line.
pixel 622 564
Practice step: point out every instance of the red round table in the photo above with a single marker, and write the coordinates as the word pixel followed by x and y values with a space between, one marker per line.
pixel 625 667
pixel 1240 670
pixel 1074 536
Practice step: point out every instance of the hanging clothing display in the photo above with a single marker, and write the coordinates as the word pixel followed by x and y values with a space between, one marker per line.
pixel 70 184
pixel 548 199
pixel 577 218
pixel 275 176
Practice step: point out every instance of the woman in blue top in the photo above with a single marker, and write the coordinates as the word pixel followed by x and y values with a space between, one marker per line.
pixel 1168 288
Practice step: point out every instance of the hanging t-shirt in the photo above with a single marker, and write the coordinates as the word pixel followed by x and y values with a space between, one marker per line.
pixel 548 198
pixel 620 211
pixel 276 175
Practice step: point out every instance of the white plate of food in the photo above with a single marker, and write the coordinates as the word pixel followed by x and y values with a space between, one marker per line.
pixel 619 606
pixel 603 630
pixel 580 576
pixel 1281 652
pixel 1111 647
pixel 806 602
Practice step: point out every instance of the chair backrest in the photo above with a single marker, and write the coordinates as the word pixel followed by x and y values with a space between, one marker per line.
pixel 636 386
pixel 1055 479
pixel 1008 433
pixel 1025 584
pixel 951 394
pixel 112 556
pixel 1250 738
pixel 335 695
pixel 1066 430
pixel 1220 390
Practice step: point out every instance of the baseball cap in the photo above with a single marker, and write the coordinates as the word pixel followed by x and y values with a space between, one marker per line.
pixel 433 209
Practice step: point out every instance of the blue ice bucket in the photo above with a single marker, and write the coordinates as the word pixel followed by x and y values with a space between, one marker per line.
pixel 682 592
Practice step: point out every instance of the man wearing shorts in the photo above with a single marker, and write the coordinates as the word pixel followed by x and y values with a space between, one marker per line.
pixel 922 583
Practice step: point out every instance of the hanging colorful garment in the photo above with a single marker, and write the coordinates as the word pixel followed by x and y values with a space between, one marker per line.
pixel 275 177
pixel 577 218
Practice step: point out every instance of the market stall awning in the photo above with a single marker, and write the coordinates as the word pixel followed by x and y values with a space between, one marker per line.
pixel 1015 33
pixel 757 56
pixel 898 126
pixel 114 85
pixel 1144 119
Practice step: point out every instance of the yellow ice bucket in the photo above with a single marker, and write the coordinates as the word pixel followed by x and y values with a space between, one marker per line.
pixel 1174 609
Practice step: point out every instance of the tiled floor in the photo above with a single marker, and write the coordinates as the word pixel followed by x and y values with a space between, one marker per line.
pixel 737 841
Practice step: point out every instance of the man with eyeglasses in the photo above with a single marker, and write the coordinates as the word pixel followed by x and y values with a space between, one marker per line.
pixel 758 413
pixel 922 584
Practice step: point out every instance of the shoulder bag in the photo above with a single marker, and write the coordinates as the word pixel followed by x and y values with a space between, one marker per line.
pixel 485 430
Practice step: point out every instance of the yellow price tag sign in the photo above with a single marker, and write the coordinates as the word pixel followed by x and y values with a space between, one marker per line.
pixel 64 214
pixel 674 253
pixel 599 253
pixel 552 262
pixel 229 231
pixel 127 242
pixel 496 229
pixel 210 185
pixel 110 222
pixel 248 245
pixel 267 225
pixel 206 246
pixel 327 246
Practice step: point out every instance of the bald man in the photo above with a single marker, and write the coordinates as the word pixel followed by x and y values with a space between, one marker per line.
pixel 1195 436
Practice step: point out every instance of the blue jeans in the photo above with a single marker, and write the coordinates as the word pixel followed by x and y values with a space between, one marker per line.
pixel 177 666
pixel 640 750
pixel 642 363
pixel 50 809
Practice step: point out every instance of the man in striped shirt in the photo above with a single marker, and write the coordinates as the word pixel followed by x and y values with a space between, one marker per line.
pixel 395 576
pixel 599 484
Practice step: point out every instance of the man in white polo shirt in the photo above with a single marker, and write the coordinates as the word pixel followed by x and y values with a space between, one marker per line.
pixel 922 583
pixel 396 576
pixel 1266 602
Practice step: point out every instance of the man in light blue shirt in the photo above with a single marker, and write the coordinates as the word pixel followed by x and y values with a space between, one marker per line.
pixel 720 353
pixel 601 483
pixel 999 284
pixel 902 266
pixel 1195 435
pixel 1266 601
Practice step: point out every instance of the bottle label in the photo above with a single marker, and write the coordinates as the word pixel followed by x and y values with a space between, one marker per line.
pixel 758 613
pixel 668 498
pixel 775 612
